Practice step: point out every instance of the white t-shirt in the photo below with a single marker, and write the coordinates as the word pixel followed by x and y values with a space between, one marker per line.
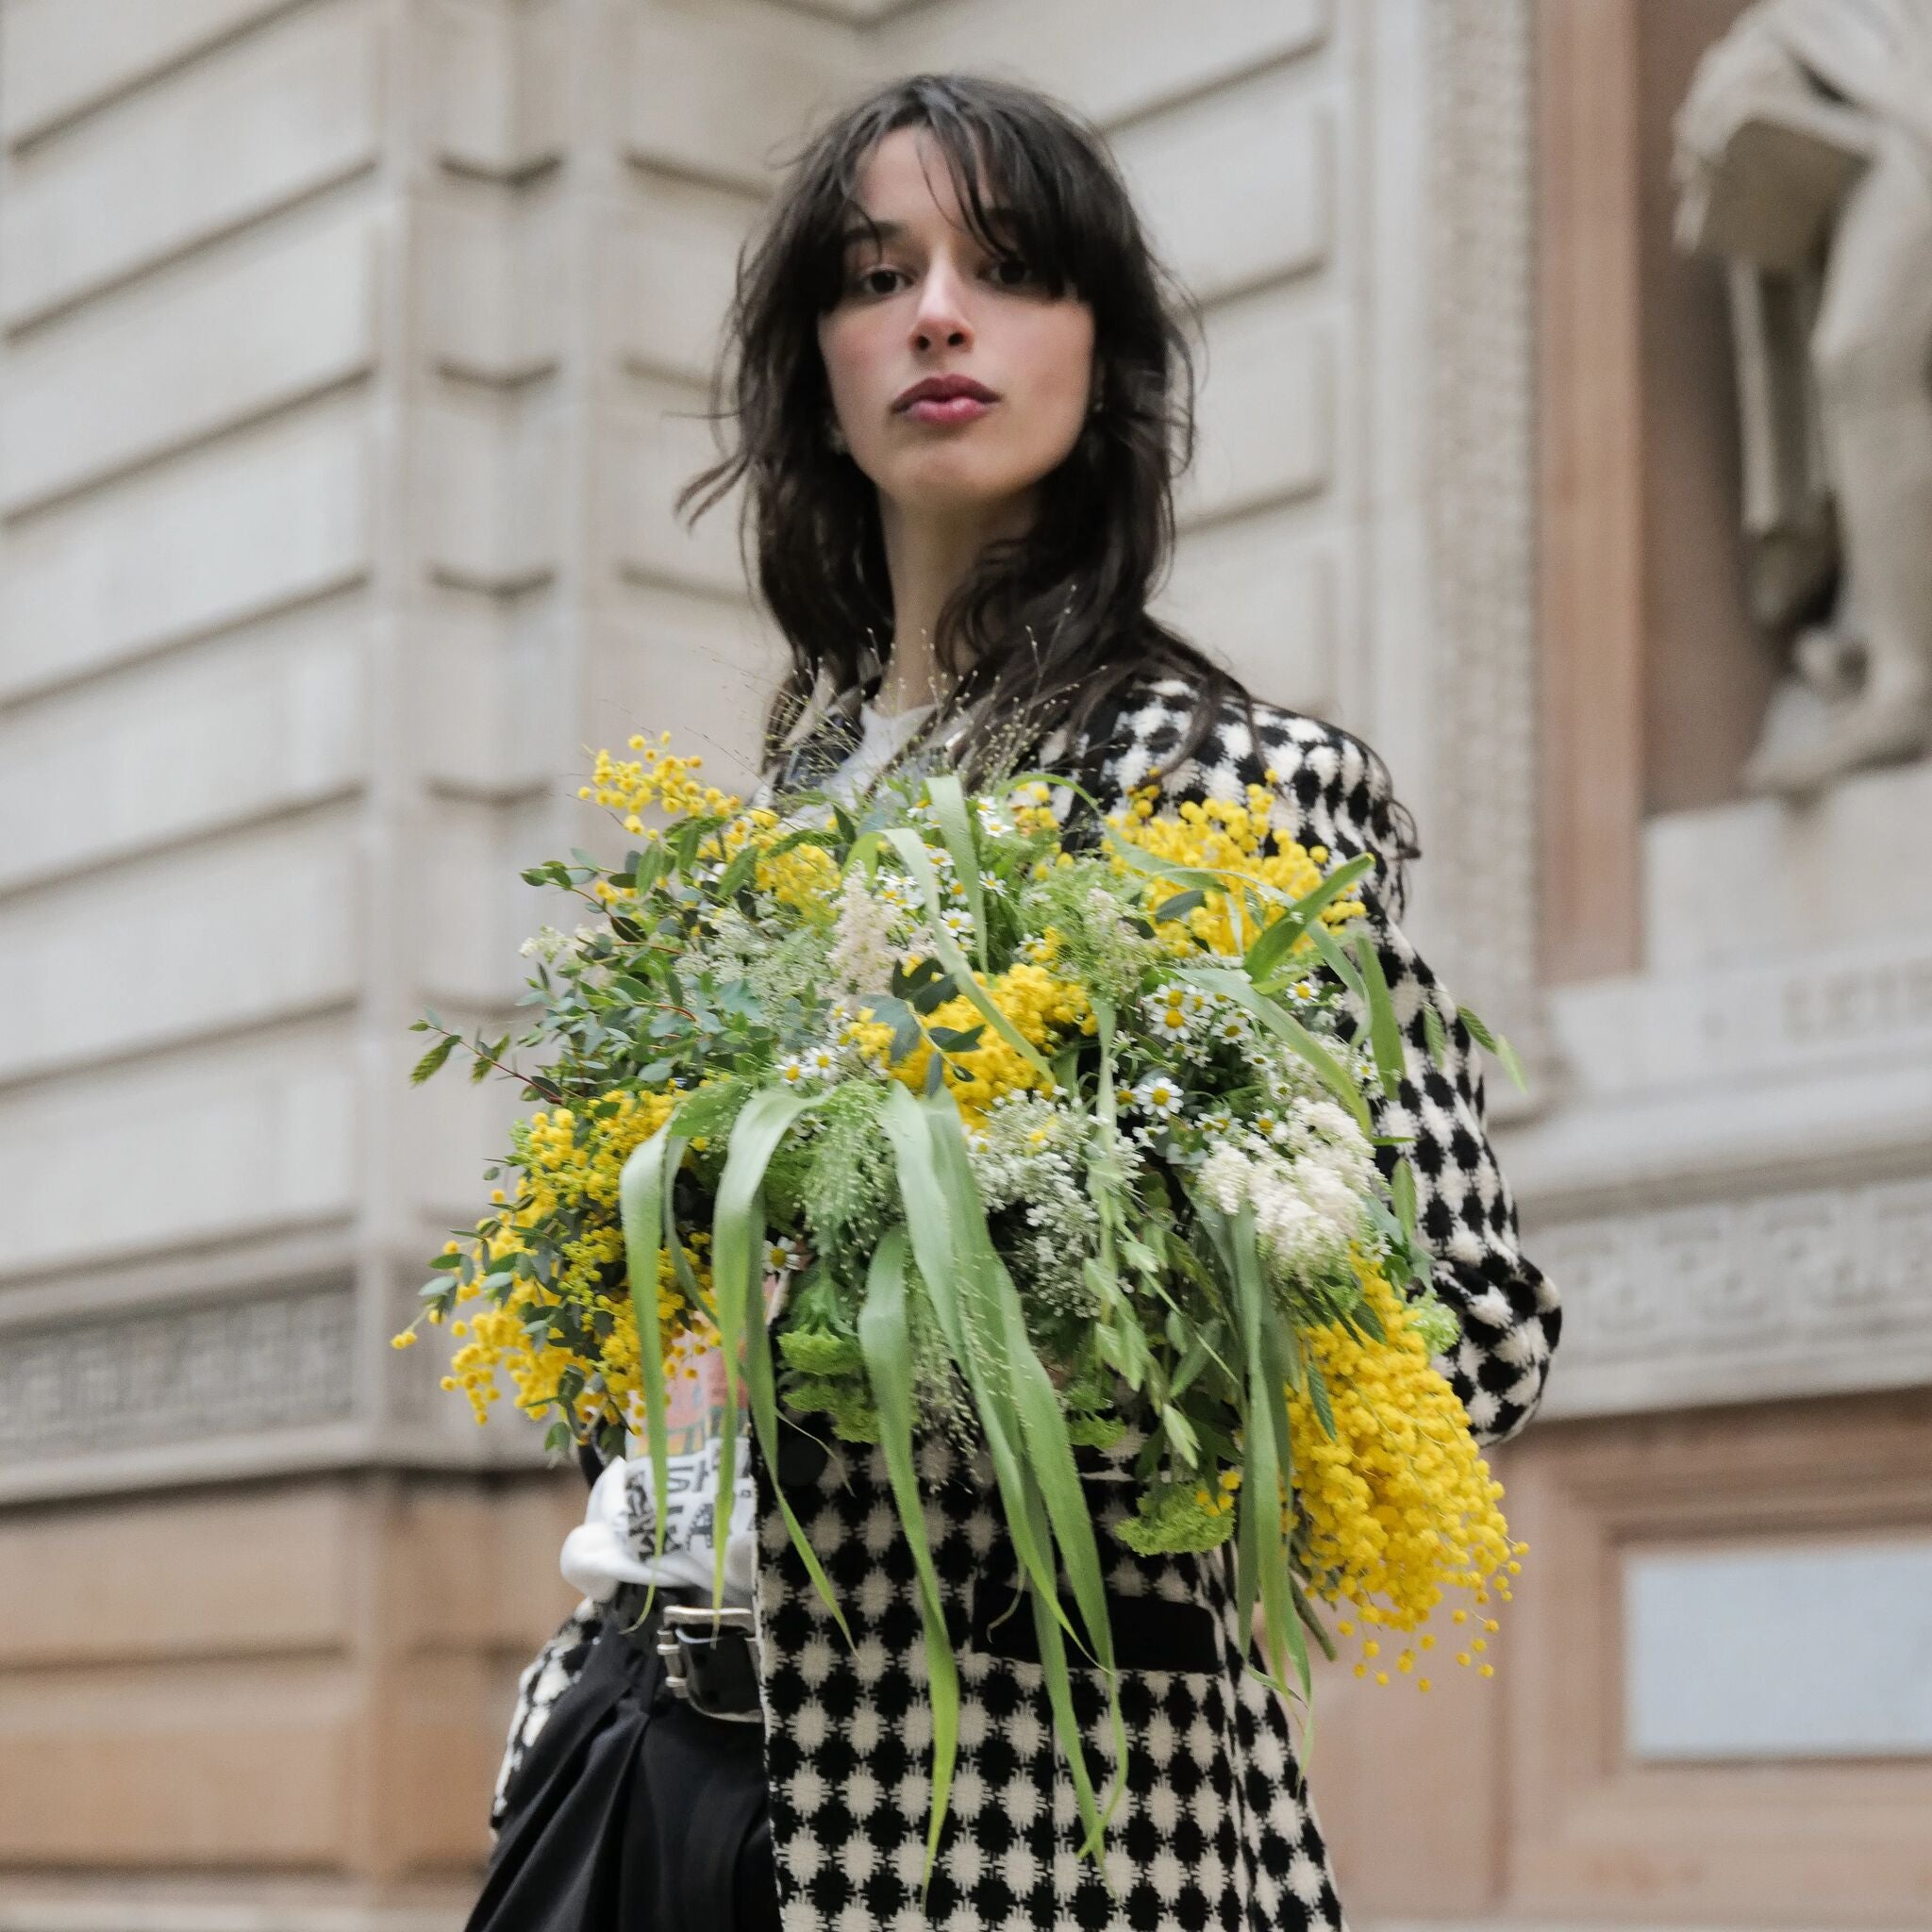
pixel 613 1542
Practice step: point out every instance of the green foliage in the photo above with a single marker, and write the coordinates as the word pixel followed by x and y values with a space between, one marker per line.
pixel 848 1195
pixel 1110 955
pixel 1170 1520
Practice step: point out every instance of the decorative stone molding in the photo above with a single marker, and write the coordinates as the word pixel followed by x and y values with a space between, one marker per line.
pixel 1805 1291
pixel 1482 509
pixel 266 1364
pixel 1642 1037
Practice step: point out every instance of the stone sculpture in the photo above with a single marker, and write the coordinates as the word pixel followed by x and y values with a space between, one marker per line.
pixel 1804 159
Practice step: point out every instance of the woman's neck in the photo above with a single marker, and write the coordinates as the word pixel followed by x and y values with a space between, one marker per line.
pixel 927 557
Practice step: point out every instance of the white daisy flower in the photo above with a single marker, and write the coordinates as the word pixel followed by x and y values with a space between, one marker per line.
pixel 958 923
pixel 821 1063
pixel 791 1070
pixel 783 1256
pixel 1160 1095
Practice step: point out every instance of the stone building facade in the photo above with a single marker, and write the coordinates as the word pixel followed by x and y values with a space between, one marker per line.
pixel 351 352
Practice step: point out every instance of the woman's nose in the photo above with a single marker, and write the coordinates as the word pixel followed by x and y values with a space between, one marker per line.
pixel 941 315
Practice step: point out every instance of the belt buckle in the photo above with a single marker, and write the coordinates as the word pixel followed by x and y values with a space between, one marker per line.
pixel 686 1630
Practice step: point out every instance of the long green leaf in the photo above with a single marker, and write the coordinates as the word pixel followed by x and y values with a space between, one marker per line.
pixel 1385 1033
pixel 1275 1389
pixel 948 1266
pixel 1264 1490
pixel 955 828
pixel 956 1265
pixel 1278 941
pixel 738 1234
pixel 1402 1192
pixel 641 1209
pixel 1058 1478
pixel 1104 1105
pixel 885 1339
pixel 1104 1174
pixel 1066 1723
pixel 1336 956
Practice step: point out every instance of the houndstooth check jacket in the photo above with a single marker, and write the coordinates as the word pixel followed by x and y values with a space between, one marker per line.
pixel 1216 1827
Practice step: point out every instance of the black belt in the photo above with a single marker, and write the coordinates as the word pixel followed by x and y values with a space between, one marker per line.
pixel 709 1657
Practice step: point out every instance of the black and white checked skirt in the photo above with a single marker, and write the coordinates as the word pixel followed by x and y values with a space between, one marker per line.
pixel 1216 1827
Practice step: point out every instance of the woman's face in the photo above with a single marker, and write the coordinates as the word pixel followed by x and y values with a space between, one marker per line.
pixel 927 300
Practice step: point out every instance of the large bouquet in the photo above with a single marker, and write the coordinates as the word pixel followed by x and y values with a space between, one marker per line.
pixel 933 1121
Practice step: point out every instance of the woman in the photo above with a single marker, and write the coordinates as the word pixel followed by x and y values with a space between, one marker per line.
pixel 962 392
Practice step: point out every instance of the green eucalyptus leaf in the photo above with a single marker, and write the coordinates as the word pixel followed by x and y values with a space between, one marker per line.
pixel 955 1038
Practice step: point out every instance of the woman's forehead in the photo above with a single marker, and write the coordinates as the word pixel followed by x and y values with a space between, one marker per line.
pixel 906 183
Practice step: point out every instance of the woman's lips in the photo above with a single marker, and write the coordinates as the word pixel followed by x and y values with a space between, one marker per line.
pixel 946 409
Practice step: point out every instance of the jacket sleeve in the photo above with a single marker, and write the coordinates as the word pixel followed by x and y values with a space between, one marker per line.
pixel 1332 791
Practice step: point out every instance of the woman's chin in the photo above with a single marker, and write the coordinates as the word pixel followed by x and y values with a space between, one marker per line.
pixel 947 484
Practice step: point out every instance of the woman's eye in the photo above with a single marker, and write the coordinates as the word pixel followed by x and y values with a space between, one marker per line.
pixel 1009 271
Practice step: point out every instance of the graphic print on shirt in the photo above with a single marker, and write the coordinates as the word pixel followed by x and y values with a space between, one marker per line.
pixel 695 1412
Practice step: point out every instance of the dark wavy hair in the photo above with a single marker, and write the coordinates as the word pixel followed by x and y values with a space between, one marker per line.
pixel 1047 627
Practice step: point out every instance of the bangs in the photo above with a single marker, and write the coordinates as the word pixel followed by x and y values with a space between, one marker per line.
pixel 1018 187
